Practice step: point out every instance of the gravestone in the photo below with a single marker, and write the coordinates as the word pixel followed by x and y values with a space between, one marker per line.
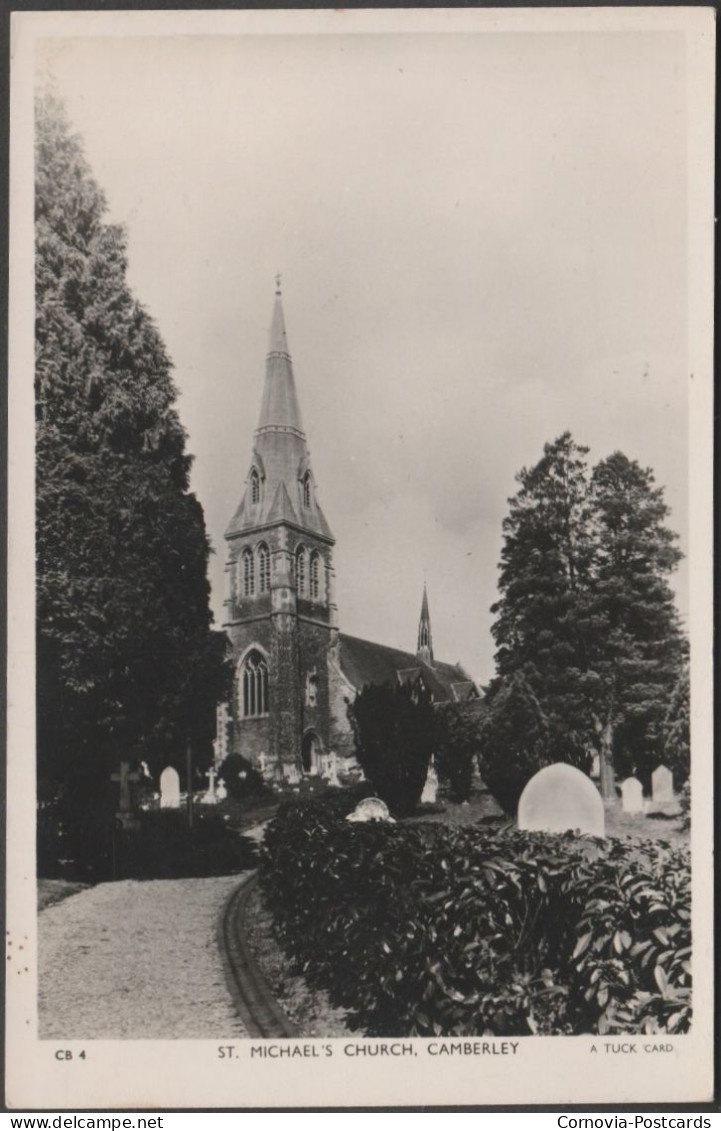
pixel 331 769
pixel 125 812
pixel 370 809
pixel 169 789
pixel 292 775
pixel 632 796
pixel 430 789
pixel 596 766
pixel 209 797
pixel 558 798
pixel 662 786
pixel 220 791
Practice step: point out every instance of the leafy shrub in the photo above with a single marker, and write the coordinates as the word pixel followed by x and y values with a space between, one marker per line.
pixel 393 733
pixel 427 930
pixel 457 744
pixel 240 777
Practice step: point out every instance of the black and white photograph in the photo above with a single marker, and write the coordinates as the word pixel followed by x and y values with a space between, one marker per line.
pixel 360 607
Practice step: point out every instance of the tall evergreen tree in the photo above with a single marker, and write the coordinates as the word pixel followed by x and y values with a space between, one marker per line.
pixel 127 661
pixel 541 622
pixel 637 647
pixel 586 614
pixel 677 731
pixel 393 732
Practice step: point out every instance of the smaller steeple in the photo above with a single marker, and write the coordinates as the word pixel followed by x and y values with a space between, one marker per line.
pixel 425 640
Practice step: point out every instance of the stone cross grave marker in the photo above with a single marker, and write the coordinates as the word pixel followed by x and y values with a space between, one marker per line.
pixel 559 798
pixel 331 769
pixel 662 786
pixel 125 776
pixel 632 796
pixel 210 796
pixel 169 789
pixel 430 789
pixel 370 809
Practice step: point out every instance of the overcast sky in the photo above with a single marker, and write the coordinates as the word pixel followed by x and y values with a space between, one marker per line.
pixel 483 243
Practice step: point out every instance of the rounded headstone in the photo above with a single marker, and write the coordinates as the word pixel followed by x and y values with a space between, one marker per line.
pixel 558 798
pixel 370 809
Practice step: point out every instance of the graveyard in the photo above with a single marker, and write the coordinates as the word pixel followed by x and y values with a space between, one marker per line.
pixel 408 911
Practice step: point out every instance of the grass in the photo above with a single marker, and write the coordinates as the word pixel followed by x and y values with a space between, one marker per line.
pixel 54 891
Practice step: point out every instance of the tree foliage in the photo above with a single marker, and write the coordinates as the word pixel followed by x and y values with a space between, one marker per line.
pixel 677 731
pixel 393 732
pixel 457 745
pixel 586 613
pixel 516 740
pixel 127 661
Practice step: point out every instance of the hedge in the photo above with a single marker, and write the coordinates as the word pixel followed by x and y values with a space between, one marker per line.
pixel 423 930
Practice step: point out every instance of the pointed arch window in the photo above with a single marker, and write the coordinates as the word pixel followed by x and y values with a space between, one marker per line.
pixel 247 572
pixel 263 568
pixel 254 486
pixel 254 685
pixel 306 489
pixel 315 563
pixel 301 572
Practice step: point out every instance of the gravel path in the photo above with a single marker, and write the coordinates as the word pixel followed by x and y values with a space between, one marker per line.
pixel 136 960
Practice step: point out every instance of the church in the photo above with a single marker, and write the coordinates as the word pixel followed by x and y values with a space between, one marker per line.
pixel 295 672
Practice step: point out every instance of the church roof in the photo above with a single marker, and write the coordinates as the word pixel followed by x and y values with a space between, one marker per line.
pixel 280 453
pixel 363 662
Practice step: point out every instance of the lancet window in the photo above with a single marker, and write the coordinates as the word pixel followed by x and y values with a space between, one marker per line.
pixel 306 489
pixel 254 685
pixel 247 572
pixel 301 571
pixel 254 486
pixel 263 568
pixel 315 564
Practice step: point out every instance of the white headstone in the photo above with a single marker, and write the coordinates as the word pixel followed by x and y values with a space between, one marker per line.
pixel 430 789
pixel 632 796
pixel 662 785
pixel 169 789
pixel 262 759
pixel 220 791
pixel 596 766
pixel 210 797
pixel 558 798
pixel 330 769
pixel 370 809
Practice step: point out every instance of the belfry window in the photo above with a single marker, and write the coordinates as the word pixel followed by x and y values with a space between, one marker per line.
pixel 301 574
pixel 315 575
pixel 247 567
pixel 254 685
pixel 263 568
pixel 254 486
pixel 306 489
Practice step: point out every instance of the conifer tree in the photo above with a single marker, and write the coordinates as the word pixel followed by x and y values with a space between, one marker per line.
pixel 677 731
pixel 128 664
pixel 393 732
pixel 636 648
pixel 586 614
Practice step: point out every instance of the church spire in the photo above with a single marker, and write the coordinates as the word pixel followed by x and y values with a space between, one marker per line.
pixel 425 641
pixel 279 409
pixel 280 485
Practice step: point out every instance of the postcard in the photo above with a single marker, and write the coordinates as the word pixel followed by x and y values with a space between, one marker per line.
pixel 360 558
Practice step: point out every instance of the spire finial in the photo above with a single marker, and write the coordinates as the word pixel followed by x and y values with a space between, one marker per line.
pixel 277 284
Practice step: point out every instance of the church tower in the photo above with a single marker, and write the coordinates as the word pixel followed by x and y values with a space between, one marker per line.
pixel 280 604
pixel 425 641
